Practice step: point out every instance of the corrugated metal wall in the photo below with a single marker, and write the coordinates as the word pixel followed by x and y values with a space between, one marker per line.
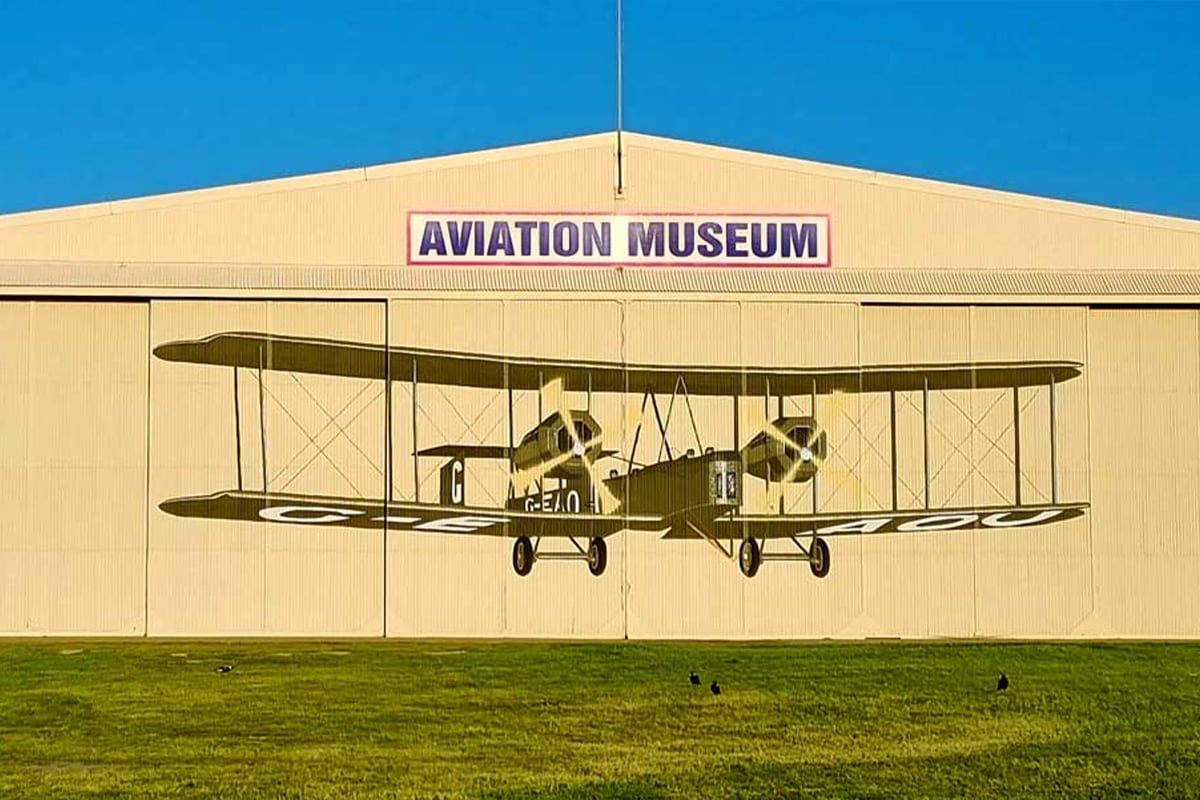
pixel 73 426
pixel 98 432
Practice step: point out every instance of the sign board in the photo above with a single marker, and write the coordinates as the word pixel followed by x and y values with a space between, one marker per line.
pixel 458 238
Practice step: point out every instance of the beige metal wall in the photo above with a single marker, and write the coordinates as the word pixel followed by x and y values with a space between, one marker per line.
pixel 74 402
pixel 98 432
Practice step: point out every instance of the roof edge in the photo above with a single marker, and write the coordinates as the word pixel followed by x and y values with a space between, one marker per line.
pixel 302 181
pixel 913 183
pixel 649 141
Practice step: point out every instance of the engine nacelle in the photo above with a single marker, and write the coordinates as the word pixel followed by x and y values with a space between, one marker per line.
pixel 551 440
pixel 767 456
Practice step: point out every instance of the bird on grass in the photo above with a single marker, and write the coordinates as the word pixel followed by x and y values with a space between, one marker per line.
pixel 694 678
pixel 1002 684
pixel 715 688
pixel 224 668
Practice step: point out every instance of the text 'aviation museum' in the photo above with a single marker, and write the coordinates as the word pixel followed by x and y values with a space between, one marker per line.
pixel 489 395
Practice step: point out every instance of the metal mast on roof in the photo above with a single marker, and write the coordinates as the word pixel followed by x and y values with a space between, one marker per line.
pixel 620 103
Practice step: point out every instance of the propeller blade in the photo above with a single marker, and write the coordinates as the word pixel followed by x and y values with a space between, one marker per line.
pixel 523 479
pixel 789 476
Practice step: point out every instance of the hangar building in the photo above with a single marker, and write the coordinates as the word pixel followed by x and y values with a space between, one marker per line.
pixel 489 395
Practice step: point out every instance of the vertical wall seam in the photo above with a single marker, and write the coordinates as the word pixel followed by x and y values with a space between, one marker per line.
pixel 387 452
pixel 862 548
pixel 973 473
pixel 146 529
pixel 1087 388
pixel 504 348
pixel 623 304
pixel 263 548
pixel 739 304
pixel 30 308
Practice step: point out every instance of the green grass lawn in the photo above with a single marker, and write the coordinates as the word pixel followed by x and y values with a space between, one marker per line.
pixel 505 720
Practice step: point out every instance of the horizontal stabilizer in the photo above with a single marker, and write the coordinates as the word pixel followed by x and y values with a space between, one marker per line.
pixel 470 451
pixel 466 451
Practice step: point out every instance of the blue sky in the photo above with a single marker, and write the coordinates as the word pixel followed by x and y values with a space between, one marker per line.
pixel 1098 102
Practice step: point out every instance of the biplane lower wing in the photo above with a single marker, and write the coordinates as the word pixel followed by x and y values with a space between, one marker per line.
pixel 344 512
pixel 785 526
pixel 431 518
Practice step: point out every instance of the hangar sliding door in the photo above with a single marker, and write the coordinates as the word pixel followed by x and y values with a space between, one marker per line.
pixel 457 579
pixel 244 406
pixel 690 586
pixel 73 401
pixel 1145 443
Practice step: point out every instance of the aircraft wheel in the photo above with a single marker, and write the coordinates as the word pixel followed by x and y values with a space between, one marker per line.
pixel 819 558
pixel 522 556
pixel 597 556
pixel 749 558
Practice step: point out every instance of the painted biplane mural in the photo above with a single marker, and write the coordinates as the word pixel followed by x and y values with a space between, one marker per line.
pixel 565 487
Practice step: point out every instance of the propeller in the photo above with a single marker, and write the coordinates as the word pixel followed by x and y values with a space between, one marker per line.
pixel 608 500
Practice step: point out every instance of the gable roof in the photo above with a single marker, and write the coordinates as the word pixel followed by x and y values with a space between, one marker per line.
pixel 352 220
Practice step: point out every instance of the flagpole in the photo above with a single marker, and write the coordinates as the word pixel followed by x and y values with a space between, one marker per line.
pixel 620 101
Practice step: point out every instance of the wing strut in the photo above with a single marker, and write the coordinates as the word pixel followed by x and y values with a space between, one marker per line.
pixel 895 471
pixel 781 490
pixel 637 433
pixel 262 418
pixel 662 429
pixel 708 537
pixel 1053 447
pixel 767 418
pixel 813 405
pixel 237 427
pixel 416 456
pixel 512 490
pixel 388 465
pixel 925 433
pixel 1017 443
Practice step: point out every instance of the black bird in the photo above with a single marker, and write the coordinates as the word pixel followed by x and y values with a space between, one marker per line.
pixel 1002 684
pixel 715 688
pixel 224 668
pixel 694 678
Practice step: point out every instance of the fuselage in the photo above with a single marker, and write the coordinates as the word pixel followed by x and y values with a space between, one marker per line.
pixel 712 481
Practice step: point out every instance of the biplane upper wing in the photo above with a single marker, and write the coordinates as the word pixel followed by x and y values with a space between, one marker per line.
pixel 450 368
pixel 250 506
pixel 853 523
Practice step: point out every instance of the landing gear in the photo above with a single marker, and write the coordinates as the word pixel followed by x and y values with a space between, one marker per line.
pixel 749 558
pixel 522 558
pixel 525 553
pixel 597 556
pixel 818 558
